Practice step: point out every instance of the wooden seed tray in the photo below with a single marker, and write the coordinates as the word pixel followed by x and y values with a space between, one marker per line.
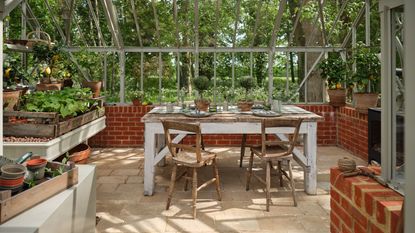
pixel 11 206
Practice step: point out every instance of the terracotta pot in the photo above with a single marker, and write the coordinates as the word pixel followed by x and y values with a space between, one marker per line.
pixel 337 97
pixel 13 170
pixel 36 168
pixel 11 99
pixel 136 102
pixel 80 154
pixel 95 87
pixel 48 87
pixel 202 105
pixel 245 106
pixel 363 101
pixel 11 182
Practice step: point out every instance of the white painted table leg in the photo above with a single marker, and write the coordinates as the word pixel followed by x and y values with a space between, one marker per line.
pixel 310 150
pixel 149 153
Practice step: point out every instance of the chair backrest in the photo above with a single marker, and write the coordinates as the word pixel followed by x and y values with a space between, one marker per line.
pixel 293 124
pixel 181 127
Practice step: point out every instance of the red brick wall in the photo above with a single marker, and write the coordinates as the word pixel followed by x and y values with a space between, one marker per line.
pixel 359 204
pixel 124 129
pixel 352 131
pixel 326 130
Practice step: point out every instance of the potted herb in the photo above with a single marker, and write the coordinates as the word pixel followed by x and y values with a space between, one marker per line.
pixel 366 78
pixel 95 87
pixel 245 103
pixel 137 97
pixel 202 84
pixel 333 69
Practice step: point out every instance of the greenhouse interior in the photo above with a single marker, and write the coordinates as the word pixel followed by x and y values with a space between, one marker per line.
pixel 282 116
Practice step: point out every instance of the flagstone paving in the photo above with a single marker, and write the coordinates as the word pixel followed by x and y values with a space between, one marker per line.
pixel 122 207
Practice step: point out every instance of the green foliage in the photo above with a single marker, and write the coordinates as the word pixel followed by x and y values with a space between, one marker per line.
pixel 202 84
pixel 14 72
pixel 287 96
pixel 367 69
pixel 333 69
pixel 68 102
pixel 44 53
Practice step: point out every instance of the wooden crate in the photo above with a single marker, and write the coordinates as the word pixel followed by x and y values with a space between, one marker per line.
pixel 45 124
pixel 11 206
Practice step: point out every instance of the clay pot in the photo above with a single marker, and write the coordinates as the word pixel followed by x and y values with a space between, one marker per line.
pixel 136 102
pixel 95 87
pixel 11 182
pixel 202 104
pixel 363 101
pixel 36 168
pixel 245 106
pixel 337 97
pixel 11 99
pixel 67 83
pixel 80 154
pixel 13 170
pixel 48 87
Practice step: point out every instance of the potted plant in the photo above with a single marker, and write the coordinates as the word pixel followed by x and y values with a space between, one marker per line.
pixel 366 78
pixel 333 69
pixel 13 75
pixel 137 97
pixel 245 103
pixel 47 58
pixel 201 84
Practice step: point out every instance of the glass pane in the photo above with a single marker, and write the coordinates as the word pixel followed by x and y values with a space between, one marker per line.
pixel 398 159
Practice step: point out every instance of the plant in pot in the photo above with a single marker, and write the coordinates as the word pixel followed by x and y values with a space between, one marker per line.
pixel 47 58
pixel 137 97
pixel 201 84
pixel 245 103
pixel 14 75
pixel 333 69
pixel 366 78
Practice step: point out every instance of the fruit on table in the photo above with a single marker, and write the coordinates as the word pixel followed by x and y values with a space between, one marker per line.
pixel 338 86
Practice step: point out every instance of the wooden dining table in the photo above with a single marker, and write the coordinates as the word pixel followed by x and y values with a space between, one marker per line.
pixel 229 122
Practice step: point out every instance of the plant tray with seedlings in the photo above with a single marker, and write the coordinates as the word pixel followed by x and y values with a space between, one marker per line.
pixel 44 124
pixel 58 177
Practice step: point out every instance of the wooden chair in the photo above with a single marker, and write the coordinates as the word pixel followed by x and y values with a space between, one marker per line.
pixel 191 158
pixel 275 151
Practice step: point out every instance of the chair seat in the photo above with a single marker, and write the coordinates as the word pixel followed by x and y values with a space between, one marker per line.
pixel 271 152
pixel 188 158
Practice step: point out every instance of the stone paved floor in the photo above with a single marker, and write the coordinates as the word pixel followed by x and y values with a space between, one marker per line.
pixel 123 208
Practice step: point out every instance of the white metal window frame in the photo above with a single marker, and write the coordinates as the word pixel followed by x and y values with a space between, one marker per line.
pixel 409 114
pixel 387 83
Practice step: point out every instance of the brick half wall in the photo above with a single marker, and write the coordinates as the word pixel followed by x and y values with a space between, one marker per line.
pixel 342 126
pixel 360 204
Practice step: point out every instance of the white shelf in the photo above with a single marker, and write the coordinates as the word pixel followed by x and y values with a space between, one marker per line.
pixel 55 147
